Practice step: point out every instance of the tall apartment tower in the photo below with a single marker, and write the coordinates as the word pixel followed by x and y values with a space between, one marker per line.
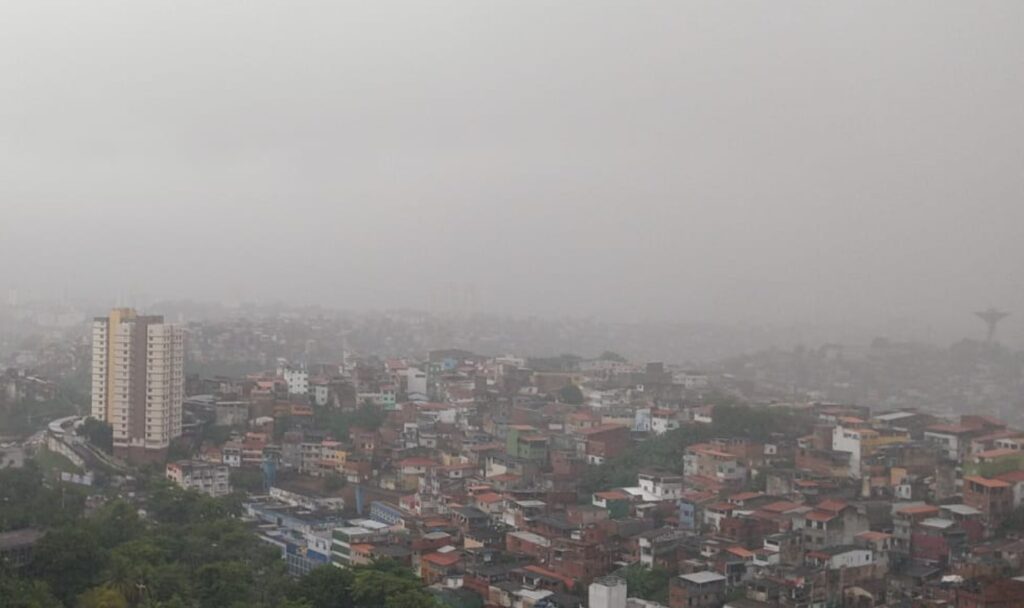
pixel 138 382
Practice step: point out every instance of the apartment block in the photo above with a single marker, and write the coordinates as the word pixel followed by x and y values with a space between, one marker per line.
pixel 205 477
pixel 138 382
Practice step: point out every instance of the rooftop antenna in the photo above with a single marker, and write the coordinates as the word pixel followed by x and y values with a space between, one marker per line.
pixel 991 317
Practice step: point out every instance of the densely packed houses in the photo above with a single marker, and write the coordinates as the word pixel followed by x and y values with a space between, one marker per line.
pixel 506 481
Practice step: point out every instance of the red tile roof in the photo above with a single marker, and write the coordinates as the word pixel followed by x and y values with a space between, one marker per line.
pixel 417 462
pixel 988 483
pixel 568 582
pixel 1012 477
pixel 721 506
pixel 831 505
pixel 442 559
pixel 698 496
pixel 919 509
pixel 1004 434
pixel 489 498
pixel 746 495
pixel 504 477
pixel 710 451
pixel 951 429
pixel 781 507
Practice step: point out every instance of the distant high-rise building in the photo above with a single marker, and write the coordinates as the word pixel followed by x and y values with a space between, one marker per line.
pixel 138 382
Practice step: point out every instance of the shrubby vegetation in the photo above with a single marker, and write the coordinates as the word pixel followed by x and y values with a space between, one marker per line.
pixel 99 433
pixel 26 502
pixel 216 434
pixel 646 583
pixel 247 480
pixel 562 363
pixel 183 550
pixel 666 451
pixel 612 356
pixel 339 422
pixel 571 394
pixel 25 417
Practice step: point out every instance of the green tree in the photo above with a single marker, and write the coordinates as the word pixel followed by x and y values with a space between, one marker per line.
pixel 26 501
pixel 19 592
pixel 666 451
pixel 168 581
pixel 1014 522
pixel 116 523
pixel 334 482
pixel 326 587
pixel 368 417
pixel 247 480
pixel 224 584
pixel 216 434
pixel 102 597
pixel 69 560
pixel 740 420
pixel 282 424
pixel 412 599
pixel 339 423
pixel 647 584
pixel 99 433
pixel 180 449
pixel 190 552
pixel 289 603
pixel 561 363
pixel 374 587
pixel 128 575
pixel 174 602
pixel 571 394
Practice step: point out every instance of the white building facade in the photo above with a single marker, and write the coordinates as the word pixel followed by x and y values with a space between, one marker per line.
pixel 297 381
pixel 607 592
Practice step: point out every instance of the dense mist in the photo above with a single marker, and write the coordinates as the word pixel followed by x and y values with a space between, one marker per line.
pixel 813 162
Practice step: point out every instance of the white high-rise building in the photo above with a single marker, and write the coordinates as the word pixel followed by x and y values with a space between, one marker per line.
pixel 297 380
pixel 138 382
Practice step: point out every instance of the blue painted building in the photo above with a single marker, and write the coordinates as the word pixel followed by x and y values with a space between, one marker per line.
pixel 386 513
pixel 687 515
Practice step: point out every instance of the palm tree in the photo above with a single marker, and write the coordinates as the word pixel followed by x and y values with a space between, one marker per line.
pixel 128 578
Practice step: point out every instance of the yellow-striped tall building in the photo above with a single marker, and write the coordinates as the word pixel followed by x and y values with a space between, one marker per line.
pixel 138 382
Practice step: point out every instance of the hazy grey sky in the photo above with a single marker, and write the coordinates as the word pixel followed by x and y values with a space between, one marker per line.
pixel 765 161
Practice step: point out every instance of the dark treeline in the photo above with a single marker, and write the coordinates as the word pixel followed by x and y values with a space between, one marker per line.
pixel 179 550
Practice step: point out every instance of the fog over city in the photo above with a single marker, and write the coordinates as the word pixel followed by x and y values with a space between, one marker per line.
pixel 848 164
pixel 532 304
